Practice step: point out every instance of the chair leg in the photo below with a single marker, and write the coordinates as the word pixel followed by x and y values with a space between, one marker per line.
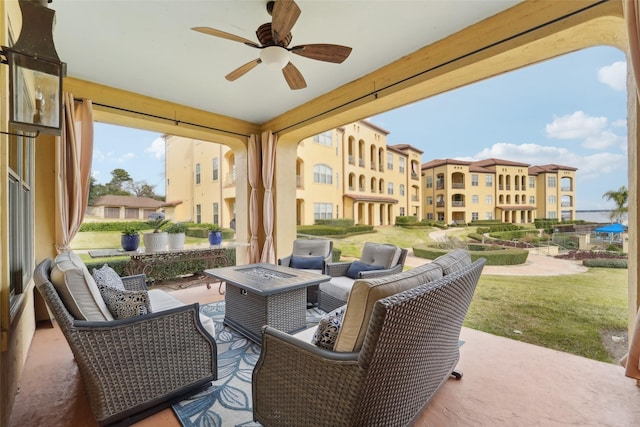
pixel 456 374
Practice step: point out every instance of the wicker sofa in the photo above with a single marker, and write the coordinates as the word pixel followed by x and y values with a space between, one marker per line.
pixel 398 343
pixel 139 365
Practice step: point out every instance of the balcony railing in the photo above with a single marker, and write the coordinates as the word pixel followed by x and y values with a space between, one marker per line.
pixel 414 175
pixel 457 204
pixel 457 185
pixel 230 180
pixel 566 189
pixel 298 181
pixel 414 198
pixel 566 204
pixel 352 160
pixel 439 204
pixel 361 162
pixel 373 166
pixel 440 186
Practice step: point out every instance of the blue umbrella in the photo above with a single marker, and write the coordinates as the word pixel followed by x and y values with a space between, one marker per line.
pixel 612 228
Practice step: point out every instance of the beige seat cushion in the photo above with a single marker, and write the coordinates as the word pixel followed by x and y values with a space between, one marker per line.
pixel 161 300
pixel 365 293
pixel 338 287
pixel 77 289
pixel 380 254
pixel 311 247
pixel 453 261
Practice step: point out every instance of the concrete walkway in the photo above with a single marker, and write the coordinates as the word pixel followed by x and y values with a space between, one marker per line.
pixel 536 265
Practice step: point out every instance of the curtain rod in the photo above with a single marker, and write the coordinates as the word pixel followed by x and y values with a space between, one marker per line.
pixel 375 92
pixel 177 122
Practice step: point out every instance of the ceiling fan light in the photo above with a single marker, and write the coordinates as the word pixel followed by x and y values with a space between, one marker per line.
pixel 274 57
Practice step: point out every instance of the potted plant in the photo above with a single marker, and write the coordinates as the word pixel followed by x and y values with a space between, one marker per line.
pixel 130 239
pixel 215 234
pixel 176 234
pixel 157 239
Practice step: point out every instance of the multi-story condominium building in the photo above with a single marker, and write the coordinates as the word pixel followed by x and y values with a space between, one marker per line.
pixel 348 172
pixel 457 191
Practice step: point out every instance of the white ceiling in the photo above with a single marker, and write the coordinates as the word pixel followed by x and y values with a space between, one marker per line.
pixel 148 47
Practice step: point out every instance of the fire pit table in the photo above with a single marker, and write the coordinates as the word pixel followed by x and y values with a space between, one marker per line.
pixel 265 294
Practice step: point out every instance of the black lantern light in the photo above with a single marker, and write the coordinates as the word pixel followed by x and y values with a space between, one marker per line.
pixel 35 72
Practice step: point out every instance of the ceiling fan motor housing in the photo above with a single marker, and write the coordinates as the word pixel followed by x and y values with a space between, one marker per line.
pixel 265 36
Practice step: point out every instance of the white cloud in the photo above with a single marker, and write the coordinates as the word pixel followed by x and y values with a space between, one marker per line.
pixel 95 174
pixel 619 123
pixel 98 156
pixel 125 157
pixel 589 167
pixel 156 148
pixel 614 75
pixel 575 126
pixel 604 140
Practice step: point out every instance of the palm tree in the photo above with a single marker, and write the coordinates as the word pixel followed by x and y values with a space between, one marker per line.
pixel 620 198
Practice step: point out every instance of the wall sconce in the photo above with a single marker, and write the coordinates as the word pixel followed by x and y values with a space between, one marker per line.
pixel 35 72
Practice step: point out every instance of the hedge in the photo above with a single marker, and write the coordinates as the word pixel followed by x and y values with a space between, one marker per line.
pixel 510 256
pixel 406 220
pixel 606 263
pixel 335 222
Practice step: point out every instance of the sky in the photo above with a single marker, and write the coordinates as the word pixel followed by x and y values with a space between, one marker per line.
pixel 570 110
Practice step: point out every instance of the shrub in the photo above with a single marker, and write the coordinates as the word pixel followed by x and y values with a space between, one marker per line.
pixel 321 230
pixel 113 226
pixel 335 222
pixel 406 220
pixel 503 256
pixel 605 263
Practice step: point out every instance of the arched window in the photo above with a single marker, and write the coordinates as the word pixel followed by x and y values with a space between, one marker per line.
pixel 322 174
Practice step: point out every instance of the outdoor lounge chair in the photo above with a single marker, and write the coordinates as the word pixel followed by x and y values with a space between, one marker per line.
pixel 309 254
pixel 376 260
pixel 135 366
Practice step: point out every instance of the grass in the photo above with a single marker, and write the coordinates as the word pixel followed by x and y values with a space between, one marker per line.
pixel 565 313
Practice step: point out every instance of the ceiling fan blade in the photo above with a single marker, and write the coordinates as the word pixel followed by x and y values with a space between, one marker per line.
pixel 222 34
pixel 323 52
pixel 293 76
pixel 242 70
pixel 284 16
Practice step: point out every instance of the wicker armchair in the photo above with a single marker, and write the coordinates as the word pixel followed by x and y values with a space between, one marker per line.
pixel 134 367
pixel 309 249
pixel 335 293
pixel 410 349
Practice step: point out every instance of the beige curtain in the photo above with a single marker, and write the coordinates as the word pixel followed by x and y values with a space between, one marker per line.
pixel 268 167
pixel 631 361
pixel 74 150
pixel 253 165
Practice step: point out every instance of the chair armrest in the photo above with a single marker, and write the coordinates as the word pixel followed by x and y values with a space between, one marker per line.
pixel 136 282
pixel 289 368
pixel 285 261
pixel 335 269
pixel 146 357
pixel 369 274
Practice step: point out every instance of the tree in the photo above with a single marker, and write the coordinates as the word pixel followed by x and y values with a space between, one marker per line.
pixel 620 198
pixel 142 189
pixel 119 177
pixel 96 190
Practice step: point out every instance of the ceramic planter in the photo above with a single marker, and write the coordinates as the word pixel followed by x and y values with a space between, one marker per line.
pixel 176 241
pixel 215 237
pixel 154 242
pixel 130 242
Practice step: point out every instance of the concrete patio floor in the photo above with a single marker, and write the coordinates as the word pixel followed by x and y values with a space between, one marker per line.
pixel 505 383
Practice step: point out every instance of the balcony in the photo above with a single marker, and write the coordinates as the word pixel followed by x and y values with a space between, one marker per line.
pixel 439 204
pixel 230 180
pixel 505 383
pixel 458 185
pixel 457 204
pixel 361 162
pixel 439 185
pixel 414 198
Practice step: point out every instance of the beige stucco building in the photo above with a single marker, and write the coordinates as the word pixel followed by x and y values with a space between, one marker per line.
pixel 347 172
pixel 457 191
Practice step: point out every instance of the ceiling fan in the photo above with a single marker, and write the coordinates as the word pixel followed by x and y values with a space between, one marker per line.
pixel 274 38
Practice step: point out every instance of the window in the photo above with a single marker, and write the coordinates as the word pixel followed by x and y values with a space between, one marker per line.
pixel 532 200
pixel 488 180
pixel 474 216
pixel 430 216
pixel 401 189
pixel 551 181
pixel 429 200
pixel 474 179
pixel 322 211
pixel 552 200
pixel 216 213
pixel 21 207
pixel 429 182
pixel 401 164
pixel 401 211
pixel 198 214
pixel 488 215
pixel 475 199
pixel 532 182
pixel 551 214
pixel 488 200
pixel 216 169
pixel 197 173
pixel 390 188
pixel 389 161
pixel 322 174
pixel 324 138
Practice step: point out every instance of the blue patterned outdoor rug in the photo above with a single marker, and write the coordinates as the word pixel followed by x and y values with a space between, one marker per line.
pixel 228 401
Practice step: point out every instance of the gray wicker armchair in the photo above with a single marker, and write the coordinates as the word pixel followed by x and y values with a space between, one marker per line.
pixel 410 349
pixel 335 293
pixel 134 367
pixel 309 249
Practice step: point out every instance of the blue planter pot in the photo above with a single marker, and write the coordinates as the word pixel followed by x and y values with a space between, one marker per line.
pixel 215 237
pixel 130 242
